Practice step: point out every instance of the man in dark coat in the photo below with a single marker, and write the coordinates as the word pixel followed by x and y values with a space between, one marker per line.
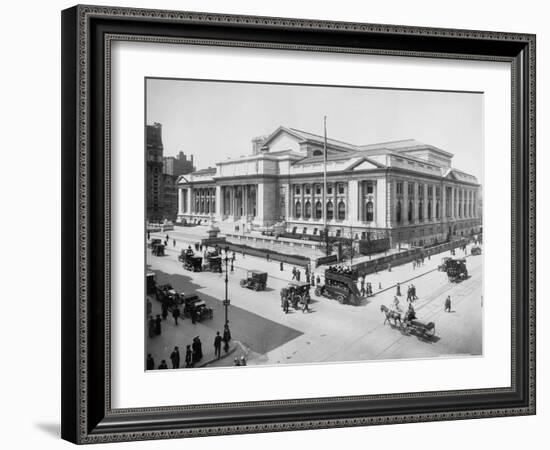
pixel 218 345
pixel 188 357
pixel 398 286
pixel 164 308
pixel 150 362
pixel 226 337
pixel 199 348
pixel 151 326
pixel 281 266
pixel 158 321
pixel 175 357
pixel 176 314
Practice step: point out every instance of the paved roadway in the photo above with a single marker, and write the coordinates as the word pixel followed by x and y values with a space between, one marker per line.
pixel 334 332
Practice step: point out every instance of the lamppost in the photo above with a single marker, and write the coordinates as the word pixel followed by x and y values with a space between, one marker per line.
pixel 226 302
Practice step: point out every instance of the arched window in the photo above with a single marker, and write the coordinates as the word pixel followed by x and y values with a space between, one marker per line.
pixel 420 211
pixel 398 217
pixel 298 210
pixel 330 210
pixel 317 153
pixel 307 213
pixel 370 211
pixel 410 213
pixel 341 211
pixel 318 210
pixel 429 209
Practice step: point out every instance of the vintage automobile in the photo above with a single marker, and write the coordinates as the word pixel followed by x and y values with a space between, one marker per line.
pixel 153 242
pixel 212 262
pixel 182 255
pixel 158 249
pixel 151 283
pixel 196 309
pixel 476 250
pixel 444 263
pixel 340 287
pixel 254 280
pixel 168 295
pixel 192 262
pixel 295 292
pixel 456 269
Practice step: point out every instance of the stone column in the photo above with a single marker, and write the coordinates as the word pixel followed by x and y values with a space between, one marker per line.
pixel 180 201
pixel 443 203
pixel 354 200
pixel 405 208
pixel 218 199
pixel 452 203
pixel 425 204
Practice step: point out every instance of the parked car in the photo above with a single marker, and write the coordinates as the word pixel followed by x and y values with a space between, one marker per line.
pixel 476 250
pixel 196 308
pixel 255 280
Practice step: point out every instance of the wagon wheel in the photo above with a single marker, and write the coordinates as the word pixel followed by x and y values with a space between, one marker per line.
pixel 318 292
pixel 340 299
pixel 242 282
pixel 256 287
pixel 430 331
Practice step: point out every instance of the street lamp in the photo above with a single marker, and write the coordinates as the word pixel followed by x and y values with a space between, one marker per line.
pixel 226 301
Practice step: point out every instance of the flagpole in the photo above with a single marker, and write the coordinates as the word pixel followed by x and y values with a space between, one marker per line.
pixel 325 187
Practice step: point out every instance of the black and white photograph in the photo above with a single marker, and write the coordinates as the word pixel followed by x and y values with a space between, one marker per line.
pixel 302 224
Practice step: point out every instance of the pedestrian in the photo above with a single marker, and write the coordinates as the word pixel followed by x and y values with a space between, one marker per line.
pixel 148 235
pixel 389 267
pixel 286 305
pixel 305 302
pixel 164 309
pixel 408 293
pixel 413 292
pixel 151 326
pixel 149 307
pixel 294 273
pixel 318 280
pixel 174 241
pixel 243 253
pixel 267 257
pixel 158 321
pixel 398 289
pixel 233 257
pixel 448 304
pixel 167 237
pixel 175 357
pixel 376 268
pixel 414 265
pixel 218 345
pixel 232 266
pixel 307 278
pixel 379 285
pixel 176 314
pixel 163 365
pixel 197 350
pixel 188 357
pixel 243 361
pixel 281 266
pixel 298 275
pixel 150 362
pixel 369 288
pixel 226 337
pixel 313 279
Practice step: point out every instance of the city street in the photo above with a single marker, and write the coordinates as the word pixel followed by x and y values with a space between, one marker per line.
pixel 330 331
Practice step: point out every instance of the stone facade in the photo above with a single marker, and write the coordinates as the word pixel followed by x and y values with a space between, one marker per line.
pixel 404 190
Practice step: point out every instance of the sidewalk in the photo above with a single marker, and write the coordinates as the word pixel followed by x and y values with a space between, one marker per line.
pixel 160 347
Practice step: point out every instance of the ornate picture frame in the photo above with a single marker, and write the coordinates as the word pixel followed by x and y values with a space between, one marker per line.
pixel 87 35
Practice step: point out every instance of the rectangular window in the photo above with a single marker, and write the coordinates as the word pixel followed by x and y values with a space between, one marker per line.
pixel 399 188
pixel 329 189
pixel 308 189
pixel 341 188
pixel 318 189
pixel 297 190
pixel 370 188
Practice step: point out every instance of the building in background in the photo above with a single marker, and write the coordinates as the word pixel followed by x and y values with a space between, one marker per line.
pixel 154 152
pixel 178 165
pixel 406 190
pixel 162 176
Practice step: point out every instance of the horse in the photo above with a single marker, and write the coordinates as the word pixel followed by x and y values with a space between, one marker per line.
pixel 391 314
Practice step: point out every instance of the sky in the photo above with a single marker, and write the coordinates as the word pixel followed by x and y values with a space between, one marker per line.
pixel 214 120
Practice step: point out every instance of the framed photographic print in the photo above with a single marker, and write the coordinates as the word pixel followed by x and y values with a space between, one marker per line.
pixel 344 211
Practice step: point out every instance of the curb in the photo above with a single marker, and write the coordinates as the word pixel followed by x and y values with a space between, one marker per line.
pixel 225 355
